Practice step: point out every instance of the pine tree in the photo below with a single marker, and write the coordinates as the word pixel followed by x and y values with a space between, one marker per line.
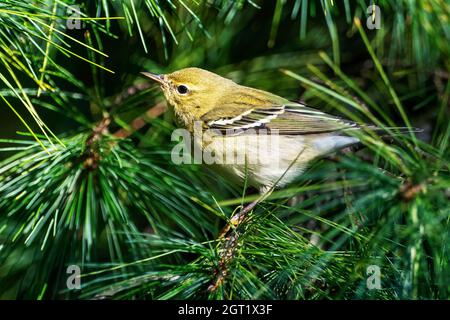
pixel 86 177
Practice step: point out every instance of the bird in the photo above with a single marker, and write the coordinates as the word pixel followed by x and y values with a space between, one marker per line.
pixel 274 138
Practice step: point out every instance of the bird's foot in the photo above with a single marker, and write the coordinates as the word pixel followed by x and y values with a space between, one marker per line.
pixel 237 218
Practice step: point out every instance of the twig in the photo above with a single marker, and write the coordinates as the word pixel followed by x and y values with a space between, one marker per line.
pixel 131 91
pixel 409 190
pixel 91 155
pixel 140 122
pixel 226 255
pixel 230 237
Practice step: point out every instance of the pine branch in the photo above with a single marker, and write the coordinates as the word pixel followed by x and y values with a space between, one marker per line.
pixel 141 121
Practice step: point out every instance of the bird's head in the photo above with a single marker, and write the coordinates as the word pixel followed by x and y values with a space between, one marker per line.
pixel 192 91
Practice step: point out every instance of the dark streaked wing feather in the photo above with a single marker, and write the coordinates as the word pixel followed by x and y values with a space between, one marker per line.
pixel 288 119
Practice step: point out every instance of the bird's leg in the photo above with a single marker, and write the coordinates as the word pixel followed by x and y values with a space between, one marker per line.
pixel 238 217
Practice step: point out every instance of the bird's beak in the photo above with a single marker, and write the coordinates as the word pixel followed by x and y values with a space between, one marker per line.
pixel 156 77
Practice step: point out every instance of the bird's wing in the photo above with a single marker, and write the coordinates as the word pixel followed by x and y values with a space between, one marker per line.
pixel 288 119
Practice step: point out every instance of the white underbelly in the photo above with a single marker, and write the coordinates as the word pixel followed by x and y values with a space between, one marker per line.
pixel 266 160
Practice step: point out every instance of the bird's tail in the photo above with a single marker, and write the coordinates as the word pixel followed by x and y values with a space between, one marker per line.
pixel 386 133
pixel 392 131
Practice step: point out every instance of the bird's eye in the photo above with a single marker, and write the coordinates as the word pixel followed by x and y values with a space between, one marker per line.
pixel 182 89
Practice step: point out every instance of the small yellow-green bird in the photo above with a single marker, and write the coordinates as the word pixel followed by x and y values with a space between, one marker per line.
pixel 235 116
